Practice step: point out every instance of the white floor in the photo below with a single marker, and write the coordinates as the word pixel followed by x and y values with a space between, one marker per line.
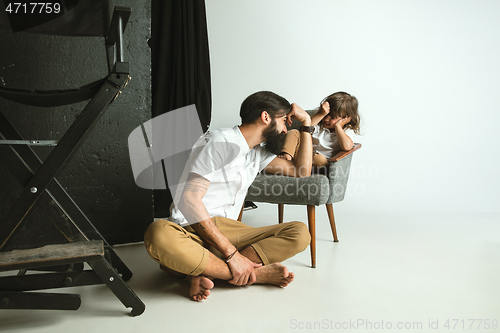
pixel 399 272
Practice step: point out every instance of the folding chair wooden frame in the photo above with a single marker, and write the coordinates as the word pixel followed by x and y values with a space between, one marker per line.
pixel 42 190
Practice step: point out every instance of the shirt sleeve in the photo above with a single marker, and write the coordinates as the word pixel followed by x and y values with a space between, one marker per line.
pixel 211 155
pixel 265 158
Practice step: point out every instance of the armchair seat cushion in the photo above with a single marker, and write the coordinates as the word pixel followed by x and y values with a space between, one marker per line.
pixel 270 188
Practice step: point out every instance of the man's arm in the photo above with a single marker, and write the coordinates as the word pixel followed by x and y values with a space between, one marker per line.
pixel 193 209
pixel 195 212
pixel 301 165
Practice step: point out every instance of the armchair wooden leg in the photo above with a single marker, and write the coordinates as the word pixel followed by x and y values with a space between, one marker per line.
pixel 331 217
pixel 281 209
pixel 311 217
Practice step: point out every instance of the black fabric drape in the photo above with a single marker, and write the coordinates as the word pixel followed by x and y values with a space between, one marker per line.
pixel 180 66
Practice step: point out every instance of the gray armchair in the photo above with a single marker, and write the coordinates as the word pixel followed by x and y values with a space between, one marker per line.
pixel 315 190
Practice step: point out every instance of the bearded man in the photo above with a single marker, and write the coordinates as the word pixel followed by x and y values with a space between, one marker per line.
pixel 202 239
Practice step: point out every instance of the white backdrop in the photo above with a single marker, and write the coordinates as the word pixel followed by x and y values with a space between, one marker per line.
pixel 426 74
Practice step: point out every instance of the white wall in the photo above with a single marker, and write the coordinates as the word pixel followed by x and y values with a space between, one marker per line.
pixel 426 74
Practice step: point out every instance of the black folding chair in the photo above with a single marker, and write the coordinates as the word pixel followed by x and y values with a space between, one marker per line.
pixel 63 263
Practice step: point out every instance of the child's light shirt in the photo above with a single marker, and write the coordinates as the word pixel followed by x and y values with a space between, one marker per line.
pixel 325 141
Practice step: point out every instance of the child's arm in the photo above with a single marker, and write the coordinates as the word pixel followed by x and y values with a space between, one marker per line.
pixel 322 112
pixel 344 139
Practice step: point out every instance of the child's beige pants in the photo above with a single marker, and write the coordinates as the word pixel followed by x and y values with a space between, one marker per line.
pixel 292 144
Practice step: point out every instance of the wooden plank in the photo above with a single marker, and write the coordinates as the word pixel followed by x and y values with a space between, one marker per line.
pixel 51 255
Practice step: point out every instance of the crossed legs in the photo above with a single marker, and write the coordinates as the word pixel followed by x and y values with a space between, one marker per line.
pixel 275 273
pixel 291 148
pixel 181 250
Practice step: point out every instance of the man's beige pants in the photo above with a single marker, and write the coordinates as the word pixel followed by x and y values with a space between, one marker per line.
pixel 182 250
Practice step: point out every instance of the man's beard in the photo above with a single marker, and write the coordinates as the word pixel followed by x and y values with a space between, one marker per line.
pixel 274 139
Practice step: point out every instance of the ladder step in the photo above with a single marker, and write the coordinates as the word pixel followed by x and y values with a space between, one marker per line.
pixel 52 143
pixel 39 301
pixel 52 255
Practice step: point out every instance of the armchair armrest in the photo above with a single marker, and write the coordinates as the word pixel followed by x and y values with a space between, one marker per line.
pixel 338 174
pixel 342 154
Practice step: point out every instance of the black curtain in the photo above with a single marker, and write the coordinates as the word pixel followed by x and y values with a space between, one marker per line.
pixel 180 66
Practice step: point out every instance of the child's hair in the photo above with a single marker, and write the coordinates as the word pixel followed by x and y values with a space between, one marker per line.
pixel 344 105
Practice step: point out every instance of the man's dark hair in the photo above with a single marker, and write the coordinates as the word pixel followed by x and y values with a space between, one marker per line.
pixel 253 105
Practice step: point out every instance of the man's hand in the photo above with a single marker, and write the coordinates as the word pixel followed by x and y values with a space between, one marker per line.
pixel 243 270
pixel 298 113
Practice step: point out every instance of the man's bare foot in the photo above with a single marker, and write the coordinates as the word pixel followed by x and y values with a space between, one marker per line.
pixel 199 288
pixel 285 156
pixel 275 273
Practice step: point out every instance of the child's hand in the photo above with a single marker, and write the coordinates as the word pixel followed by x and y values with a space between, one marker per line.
pixel 325 108
pixel 343 121
pixel 323 112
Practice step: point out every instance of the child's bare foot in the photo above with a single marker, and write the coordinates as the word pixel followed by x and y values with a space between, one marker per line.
pixel 200 286
pixel 275 273
pixel 285 156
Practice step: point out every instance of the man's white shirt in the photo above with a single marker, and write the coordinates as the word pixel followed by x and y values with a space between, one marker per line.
pixel 223 158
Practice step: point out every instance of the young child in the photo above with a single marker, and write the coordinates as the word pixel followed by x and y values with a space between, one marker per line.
pixel 337 113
